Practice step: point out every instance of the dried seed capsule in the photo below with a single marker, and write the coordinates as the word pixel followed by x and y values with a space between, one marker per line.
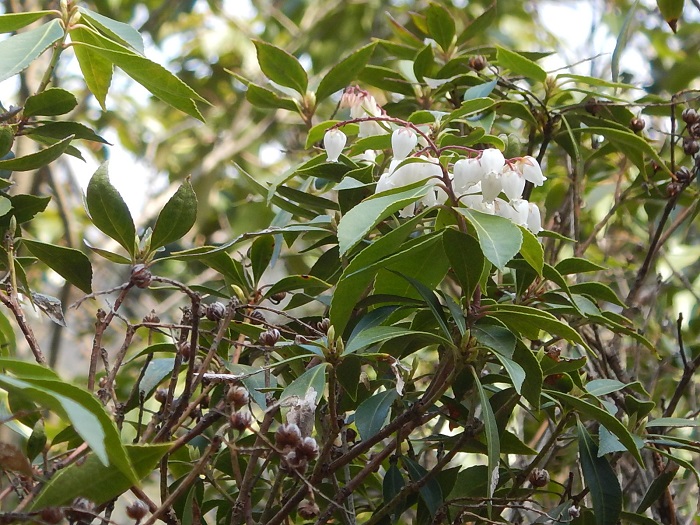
pixel 141 276
pixel 241 420
pixel 592 106
pixel 269 337
pixel 256 317
pixel 185 350
pixel 161 395
pixel 690 146
pixel 308 510
pixel 81 509
pixel 287 436
pixel 308 448
pixel 137 510
pixel 151 318
pixel 477 62
pixel 51 515
pixel 237 396
pixel 683 175
pixel 539 477
pixel 215 311
pixel 637 124
pixel 323 325
pixel 278 297
pixel 689 116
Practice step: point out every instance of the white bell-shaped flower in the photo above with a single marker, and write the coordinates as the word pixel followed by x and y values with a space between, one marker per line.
pixel 334 141
pixel 492 160
pixel 385 182
pixel 503 209
pixel 403 140
pixel 531 170
pixel 467 173
pixel 521 211
pixel 491 186
pixel 534 218
pixel 369 156
pixel 513 183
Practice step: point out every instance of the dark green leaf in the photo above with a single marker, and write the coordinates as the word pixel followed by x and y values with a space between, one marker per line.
pixel 108 211
pixel 96 69
pixel 261 254
pixel 92 480
pixel 600 480
pixel 266 98
pixel 496 337
pixel 10 22
pixel 313 379
pixel 308 283
pixel 499 238
pixel 532 251
pixel 493 445
pixel 387 79
pixel 53 101
pixel 532 386
pixel 39 159
pixel 430 492
pixel 519 65
pixel 478 25
pixel 71 264
pixel 433 303
pixel 110 256
pixel 393 483
pixel 379 334
pixel 360 220
pixel 577 265
pixel 657 489
pixel 475 105
pixel 529 321
pixel 371 415
pixel 124 33
pixel 441 25
pixel 281 67
pixel 61 130
pixel 343 73
pixel 176 218
pixel 18 51
pixel 673 422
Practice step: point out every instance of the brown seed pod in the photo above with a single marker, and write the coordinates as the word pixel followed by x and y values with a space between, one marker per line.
pixel 673 189
pixel 592 106
pixel 308 510
pixel 287 436
pixel 269 337
pixel 683 175
pixel 308 448
pixel 690 146
pixel 241 420
pixel 278 297
pixel 215 311
pixel 161 395
pixel 237 396
pixel 637 124
pixel 185 350
pixel 141 276
pixel 137 510
pixel 539 477
pixel 689 116
pixel 151 318
pixel 81 509
pixel 256 317
pixel 477 62
pixel 51 515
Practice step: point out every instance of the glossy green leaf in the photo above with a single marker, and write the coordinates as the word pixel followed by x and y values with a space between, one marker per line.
pixel 26 370
pixel 344 72
pixel 176 218
pixel 308 283
pixel 379 334
pixel 529 321
pixel 261 254
pixel 532 251
pixel 63 129
pixel 532 386
pixel 673 422
pixel 392 485
pixel 265 98
pixel 281 67
pixel 110 256
pixel 71 264
pixel 18 51
pixel 120 31
pixel 466 259
pixel 657 489
pixel 360 220
pixel 600 479
pixel 602 387
pixel 476 104
pixel 431 299
pixel 441 25
pixel 430 492
pixel 10 22
pixel 108 211
pixel 671 10
pixel 577 265
pixel 39 159
pixel 597 290
pixel 53 101
pixel 84 411
pixel 499 238
pixel 519 65
pixel 371 415
pixel 479 24
pixel 96 69
pixel 92 480
pixel 314 378
pixel 493 445
pixel 253 378
pixel 603 417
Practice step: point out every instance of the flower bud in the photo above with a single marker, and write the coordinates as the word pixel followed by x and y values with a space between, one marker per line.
pixel 241 420
pixel 403 140
pixel 531 170
pixel 141 276
pixel 467 173
pixel 539 477
pixel 534 218
pixel 491 186
pixel 492 160
pixel 269 337
pixel 215 311
pixel 477 62
pixel 334 141
pixel 513 183
pixel 287 436
pixel 237 396
pixel 137 510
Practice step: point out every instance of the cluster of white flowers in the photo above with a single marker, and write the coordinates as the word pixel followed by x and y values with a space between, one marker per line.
pixel 477 182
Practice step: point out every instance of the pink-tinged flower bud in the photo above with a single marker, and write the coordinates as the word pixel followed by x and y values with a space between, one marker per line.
pixel 513 183
pixel 467 173
pixel 403 140
pixel 492 160
pixel 334 141
pixel 534 218
pixel 491 186
pixel 522 211
pixel 531 170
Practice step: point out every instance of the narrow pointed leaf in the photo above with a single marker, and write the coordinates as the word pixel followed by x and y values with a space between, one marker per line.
pixel 314 378
pixel 479 24
pixel 371 415
pixel 532 251
pixel 281 67
pixel 343 73
pixel 441 25
pixel 120 31
pixel 96 69
pixel 430 492
pixel 18 51
pixel 108 211
pixel 176 218
pixel 266 98
pixel 493 445
pixel 519 65
pixel 39 159
pixel 62 129
pixel 10 22
pixel 71 264
pixel 432 301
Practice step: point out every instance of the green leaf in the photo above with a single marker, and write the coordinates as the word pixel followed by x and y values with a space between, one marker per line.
pixel 124 33
pixel 261 254
pixel 96 69
pixel 441 25
pixel 39 159
pixel 26 370
pixel 657 489
pixel 18 51
pixel 371 415
pixel 10 22
pixel 110 256
pixel 499 238
pixel 281 67
pixel 519 65
pixel 493 445
pixel 600 479
pixel 254 381
pixel 308 283
pixel 71 264
pixel 108 211
pixel 392 485
pixel 478 25
pixel 53 101
pixel 577 265
pixel 431 299
pixel 602 387
pixel 343 73
pixel 176 218
pixel 265 98
pixel 477 102
pixel 466 259
pixel 92 480
pixel 529 321
pixel 597 290
pixel 314 378
pixel 673 422
pixel 603 417
pixel 360 220
pixel 63 129
pixel 379 334
pixel 84 411
pixel 671 10
pixel 430 492
pixel 532 251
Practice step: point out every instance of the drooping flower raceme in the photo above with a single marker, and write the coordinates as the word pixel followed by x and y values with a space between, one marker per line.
pixel 363 105
pixel 333 142
pixel 403 140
